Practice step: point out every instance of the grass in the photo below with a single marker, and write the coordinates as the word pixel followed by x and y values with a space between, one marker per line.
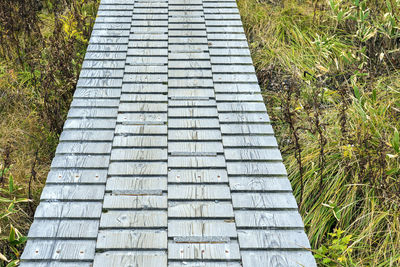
pixel 39 66
pixel 330 72
pixel 331 81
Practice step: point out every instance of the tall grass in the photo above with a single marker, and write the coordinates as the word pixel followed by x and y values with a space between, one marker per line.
pixel 42 45
pixel 331 77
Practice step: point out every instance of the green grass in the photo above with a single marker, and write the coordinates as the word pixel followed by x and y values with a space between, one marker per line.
pixel 38 74
pixel 331 81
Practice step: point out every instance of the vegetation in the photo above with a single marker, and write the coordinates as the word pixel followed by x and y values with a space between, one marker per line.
pixel 330 72
pixel 42 45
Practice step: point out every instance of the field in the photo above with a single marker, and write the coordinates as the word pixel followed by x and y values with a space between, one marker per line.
pixel 330 75
pixel 331 82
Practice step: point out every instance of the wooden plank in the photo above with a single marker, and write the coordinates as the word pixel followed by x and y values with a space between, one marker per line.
pixel 250 141
pixel 139 154
pixel 59 250
pixel 72 192
pixel 137 60
pixel 155 88
pixel 142 118
pixel 132 239
pixel 134 202
pixel 243 117
pixel 133 219
pixel 64 229
pixel 196 83
pixel 206 135
pixel 46 263
pixel 88 124
pixel 193 123
pixel 83 148
pixel 241 107
pixel 146 69
pixel 80 161
pixel 141 129
pixel 184 251
pixel 259 184
pixel 76 176
pixel 192 112
pixel 139 141
pixel 65 210
pixel 199 210
pixel 130 258
pixel 239 88
pixel 196 162
pixel 198 192
pixel 144 98
pixel 273 239
pixel 205 264
pixel 256 168
pixel 90 135
pixel 206 102
pixel 85 103
pixel 269 200
pixel 197 176
pixel 252 154
pixel 141 168
pixel 145 78
pixel 85 93
pixel 278 258
pixel 199 147
pixel 136 183
pixel 185 93
pixel 203 228
pixel 230 128
pixel 268 219
pixel 143 107
pixel 239 97
pixel 180 73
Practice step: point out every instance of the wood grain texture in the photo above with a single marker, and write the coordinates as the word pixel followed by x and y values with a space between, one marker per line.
pixel 130 258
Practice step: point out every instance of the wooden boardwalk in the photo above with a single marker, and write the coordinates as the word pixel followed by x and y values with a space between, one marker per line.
pixel 167 157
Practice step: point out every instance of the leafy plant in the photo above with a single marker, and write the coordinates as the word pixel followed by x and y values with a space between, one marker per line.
pixel 10 204
pixel 337 252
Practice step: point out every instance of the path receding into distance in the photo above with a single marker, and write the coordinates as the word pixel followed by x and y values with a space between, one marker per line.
pixel 168 157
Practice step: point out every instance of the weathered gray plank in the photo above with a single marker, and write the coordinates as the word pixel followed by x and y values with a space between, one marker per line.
pixel 134 202
pixel 139 154
pixel 196 162
pixel 72 192
pixel 197 176
pixel 273 239
pixel 66 210
pixel 204 228
pixel 199 210
pixel 200 147
pixel 59 250
pixel 130 258
pixel 139 141
pixel 278 258
pixel 133 219
pixel 77 176
pixel 64 229
pixel 132 239
pixel 136 183
pixel 264 200
pixel 142 168
pixel 267 219
pixel 256 168
pixel 199 192
pixel 259 184
pixel 207 135
pixel 224 251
